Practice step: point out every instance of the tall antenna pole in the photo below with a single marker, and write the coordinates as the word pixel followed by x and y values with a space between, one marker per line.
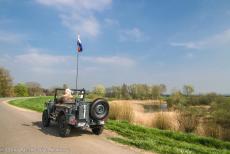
pixel 77 71
pixel 79 49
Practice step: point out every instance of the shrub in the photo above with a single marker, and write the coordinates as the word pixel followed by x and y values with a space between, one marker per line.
pixel 204 99
pixel 220 112
pixel 225 134
pixel 211 129
pixel 162 121
pixel 188 120
pixel 21 90
pixel 177 100
pixel 121 111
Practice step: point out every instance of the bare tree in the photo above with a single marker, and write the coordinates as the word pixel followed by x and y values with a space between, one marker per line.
pixel 99 90
pixel 6 84
pixel 188 90
pixel 34 89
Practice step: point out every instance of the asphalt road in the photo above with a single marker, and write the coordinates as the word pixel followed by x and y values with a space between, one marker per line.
pixel 21 132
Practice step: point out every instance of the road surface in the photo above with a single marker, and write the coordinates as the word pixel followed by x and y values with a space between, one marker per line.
pixel 21 132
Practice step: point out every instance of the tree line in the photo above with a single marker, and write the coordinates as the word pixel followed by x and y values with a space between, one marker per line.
pixel 133 91
pixel 136 91
pixel 8 89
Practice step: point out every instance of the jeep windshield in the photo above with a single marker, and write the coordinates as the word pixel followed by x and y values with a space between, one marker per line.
pixel 76 94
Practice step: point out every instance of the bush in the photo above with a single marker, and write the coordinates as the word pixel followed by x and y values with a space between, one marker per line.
pixel 221 115
pixel 199 100
pixel 177 100
pixel 220 112
pixel 21 90
pixel 92 96
pixel 211 129
pixel 121 111
pixel 188 120
pixel 225 134
pixel 162 121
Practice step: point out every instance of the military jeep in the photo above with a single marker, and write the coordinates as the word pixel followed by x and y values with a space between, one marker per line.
pixel 75 113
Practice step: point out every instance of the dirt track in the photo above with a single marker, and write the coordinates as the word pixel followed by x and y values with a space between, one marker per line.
pixel 21 132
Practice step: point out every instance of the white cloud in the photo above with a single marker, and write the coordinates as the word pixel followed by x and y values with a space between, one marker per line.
pixel 113 60
pixel 134 34
pixel 190 45
pixel 111 22
pixel 79 15
pixel 6 37
pixel 215 41
pixel 77 4
pixel 51 70
pixel 87 26
pixel 40 60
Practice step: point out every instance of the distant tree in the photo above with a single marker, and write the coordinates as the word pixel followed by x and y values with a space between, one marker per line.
pixel 6 84
pixel 136 91
pixel 21 90
pixel 155 92
pixel 188 90
pixel 34 89
pixel 163 88
pixel 65 86
pixel 109 92
pixel 125 92
pixel 177 100
pixel 117 91
pixel 99 90
pixel 50 91
pixel 133 91
pixel 142 91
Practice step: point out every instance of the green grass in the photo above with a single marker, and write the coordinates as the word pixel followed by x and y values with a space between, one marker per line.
pixel 36 103
pixel 151 139
pixel 165 141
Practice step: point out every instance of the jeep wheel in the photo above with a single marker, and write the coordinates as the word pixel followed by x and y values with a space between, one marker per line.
pixel 97 130
pixel 45 119
pixel 99 109
pixel 64 128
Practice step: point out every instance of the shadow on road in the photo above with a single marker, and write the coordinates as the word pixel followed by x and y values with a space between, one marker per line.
pixel 53 129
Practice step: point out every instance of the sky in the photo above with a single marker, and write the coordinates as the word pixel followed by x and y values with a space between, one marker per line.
pixel 171 42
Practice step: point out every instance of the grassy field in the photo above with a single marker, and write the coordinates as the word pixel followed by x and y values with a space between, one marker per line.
pixel 36 103
pixel 150 139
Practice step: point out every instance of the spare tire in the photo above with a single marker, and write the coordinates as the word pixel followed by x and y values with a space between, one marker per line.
pixel 99 109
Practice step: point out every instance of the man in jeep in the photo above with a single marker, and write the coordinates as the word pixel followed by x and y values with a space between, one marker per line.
pixel 67 97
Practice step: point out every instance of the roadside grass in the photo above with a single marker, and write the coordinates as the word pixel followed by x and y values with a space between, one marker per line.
pixel 162 141
pixel 151 139
pixel 36 103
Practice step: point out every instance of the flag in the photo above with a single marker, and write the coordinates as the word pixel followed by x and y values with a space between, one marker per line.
pixel 79 45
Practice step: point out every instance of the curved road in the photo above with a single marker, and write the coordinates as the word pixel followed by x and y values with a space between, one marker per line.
pixel 21 132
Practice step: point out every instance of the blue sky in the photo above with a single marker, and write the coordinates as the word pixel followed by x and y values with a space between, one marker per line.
pixel 174 42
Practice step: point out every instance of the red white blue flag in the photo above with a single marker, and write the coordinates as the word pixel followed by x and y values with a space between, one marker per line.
pixel 79 45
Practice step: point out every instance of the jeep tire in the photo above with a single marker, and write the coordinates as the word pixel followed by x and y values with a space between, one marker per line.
pixel 45 119
pixel 97 130
pixel 63 126
pixel 99 109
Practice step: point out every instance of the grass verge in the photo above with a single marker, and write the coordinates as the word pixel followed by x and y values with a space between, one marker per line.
pixel 36 103
pixel 162 141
